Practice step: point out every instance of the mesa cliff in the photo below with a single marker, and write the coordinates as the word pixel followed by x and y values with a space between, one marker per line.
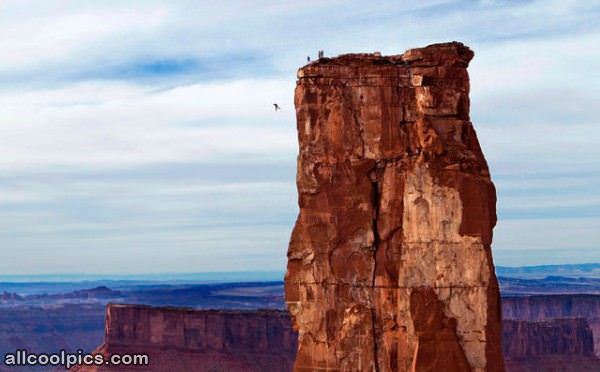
pixel 179 339
pixel 546 307
pixel 389 263
pixel 568 336
pixel 565 345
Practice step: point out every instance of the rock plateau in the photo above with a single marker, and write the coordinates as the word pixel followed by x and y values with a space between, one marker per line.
pixel 179 339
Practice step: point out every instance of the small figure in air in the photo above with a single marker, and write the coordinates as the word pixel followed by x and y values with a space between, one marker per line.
pixel 277 108
pixel 307 58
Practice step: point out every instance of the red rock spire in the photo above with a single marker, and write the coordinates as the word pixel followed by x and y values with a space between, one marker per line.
pixel 389 264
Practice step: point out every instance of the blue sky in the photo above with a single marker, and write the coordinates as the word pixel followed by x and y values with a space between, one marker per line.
pixel 139 136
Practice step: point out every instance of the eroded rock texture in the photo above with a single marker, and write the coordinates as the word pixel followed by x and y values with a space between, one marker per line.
pixel 389 264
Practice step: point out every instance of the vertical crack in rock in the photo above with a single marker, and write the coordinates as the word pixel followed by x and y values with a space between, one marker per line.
pixel 375 200
pixel 389 263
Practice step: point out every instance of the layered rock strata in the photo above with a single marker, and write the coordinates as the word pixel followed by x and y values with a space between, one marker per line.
pixel 565 345
pixel 389 263
pixel 547 307
pixel 570 336
pixel 179 339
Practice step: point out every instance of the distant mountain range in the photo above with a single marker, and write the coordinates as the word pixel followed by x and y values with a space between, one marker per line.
pixel 585 270
pixel 59 283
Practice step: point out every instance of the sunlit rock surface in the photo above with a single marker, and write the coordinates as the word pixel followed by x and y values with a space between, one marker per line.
pixel 389 263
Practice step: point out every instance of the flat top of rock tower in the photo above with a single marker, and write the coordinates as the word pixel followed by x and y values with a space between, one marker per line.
pixel 452 54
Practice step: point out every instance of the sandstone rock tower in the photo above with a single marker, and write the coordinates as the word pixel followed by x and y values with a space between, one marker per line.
pixel 389 264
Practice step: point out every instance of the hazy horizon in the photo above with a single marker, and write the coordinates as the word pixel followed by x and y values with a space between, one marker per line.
pixel 209 276
pixel 140 137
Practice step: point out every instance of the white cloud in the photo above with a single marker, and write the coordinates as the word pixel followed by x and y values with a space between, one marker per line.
pixel 34 42
pixel 122 124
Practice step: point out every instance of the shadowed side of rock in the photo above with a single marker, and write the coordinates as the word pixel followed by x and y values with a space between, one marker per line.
pixel 389 263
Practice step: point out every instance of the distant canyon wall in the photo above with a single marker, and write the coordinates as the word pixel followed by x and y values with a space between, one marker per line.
pixel 199 340
pixel 525 339
pixel 556 345
pixel 544 307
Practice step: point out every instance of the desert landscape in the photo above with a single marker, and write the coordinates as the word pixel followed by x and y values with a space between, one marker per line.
pixel 315 186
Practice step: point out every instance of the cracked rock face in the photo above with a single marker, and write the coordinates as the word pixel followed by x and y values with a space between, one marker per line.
pixel 389 264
